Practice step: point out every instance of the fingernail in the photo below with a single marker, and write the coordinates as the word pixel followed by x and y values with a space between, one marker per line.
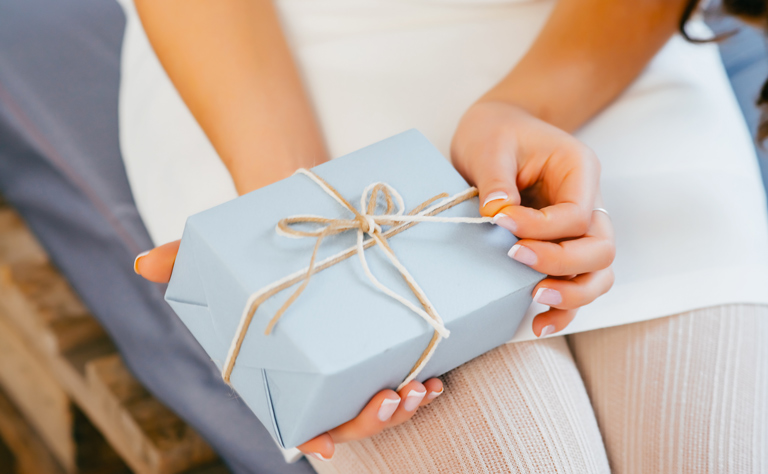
pixel 504 221
pixel 497 196
pixel 413 399
pixel 433 395
pixel 548 296
pixel 522 254
pixel 387 409
pixel 319 456
pixel 547 330
pixel 136 262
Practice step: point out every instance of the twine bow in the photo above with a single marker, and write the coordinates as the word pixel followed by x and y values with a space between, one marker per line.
pixel 363 221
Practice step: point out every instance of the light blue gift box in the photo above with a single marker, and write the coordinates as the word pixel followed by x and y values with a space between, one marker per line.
pixel 343 340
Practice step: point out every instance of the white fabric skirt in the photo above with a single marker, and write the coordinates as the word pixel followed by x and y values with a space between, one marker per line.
pixel 680 177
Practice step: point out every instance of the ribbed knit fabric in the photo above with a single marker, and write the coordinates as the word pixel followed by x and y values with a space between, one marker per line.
pixel 687 393
pixel 519 408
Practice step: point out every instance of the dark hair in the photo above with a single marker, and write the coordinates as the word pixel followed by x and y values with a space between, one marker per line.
pixel 757 9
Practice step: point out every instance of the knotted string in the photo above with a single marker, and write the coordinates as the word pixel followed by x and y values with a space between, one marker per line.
pixel 364 221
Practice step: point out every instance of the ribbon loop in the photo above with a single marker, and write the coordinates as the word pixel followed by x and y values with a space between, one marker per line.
pixel 364 221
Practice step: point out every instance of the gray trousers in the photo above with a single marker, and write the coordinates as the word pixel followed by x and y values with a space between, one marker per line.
pixel 60 166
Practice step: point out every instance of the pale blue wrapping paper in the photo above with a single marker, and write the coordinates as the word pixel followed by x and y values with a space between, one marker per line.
pixel 343 340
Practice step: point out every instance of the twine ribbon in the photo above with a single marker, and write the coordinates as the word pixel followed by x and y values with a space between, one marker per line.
pixel 363 221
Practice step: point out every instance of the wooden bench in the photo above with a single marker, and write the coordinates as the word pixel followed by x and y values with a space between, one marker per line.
pixel 60 376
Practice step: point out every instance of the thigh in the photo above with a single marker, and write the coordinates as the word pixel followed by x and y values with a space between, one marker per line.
pixel 519 408
pixel 686 393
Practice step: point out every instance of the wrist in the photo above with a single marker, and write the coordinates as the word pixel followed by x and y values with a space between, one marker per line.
pixel 267 165
pixel 502 94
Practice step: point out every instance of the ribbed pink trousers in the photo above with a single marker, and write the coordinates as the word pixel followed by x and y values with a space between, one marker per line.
pixel 685 393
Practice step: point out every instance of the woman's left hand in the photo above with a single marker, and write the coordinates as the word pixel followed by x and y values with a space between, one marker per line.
pixel 542 184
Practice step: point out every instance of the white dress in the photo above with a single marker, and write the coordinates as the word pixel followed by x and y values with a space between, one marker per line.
pixel 680 177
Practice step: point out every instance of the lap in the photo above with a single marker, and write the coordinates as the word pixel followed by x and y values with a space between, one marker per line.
pixel 519 408
pixel 683 393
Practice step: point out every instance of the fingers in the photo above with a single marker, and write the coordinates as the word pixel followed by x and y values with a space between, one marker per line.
pixel 386 408
pixel 574 293
pixel 157 264
pixel 568 181
pixel 594 251
pixel 496 184
pixel 571 257
pixel 496 196
pixel 320 447
pixel 559 221
pixel 412 395
pixel 588 258
pixel 434 389
pixel 371 420
pixel 552 321
pixel 506 152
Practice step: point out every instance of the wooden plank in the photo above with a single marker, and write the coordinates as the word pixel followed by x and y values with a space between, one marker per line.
pixel 30 453
pixel 7 461
pixel 94 454
pixel 181 445
pixel 37 395
pixel 61 321
pixel 46 313
pixel 15 244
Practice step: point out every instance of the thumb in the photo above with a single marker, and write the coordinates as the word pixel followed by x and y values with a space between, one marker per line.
pixel 496 182
pixel 157 264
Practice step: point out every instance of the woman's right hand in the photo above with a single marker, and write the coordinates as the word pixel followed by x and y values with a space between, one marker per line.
pixel 387 408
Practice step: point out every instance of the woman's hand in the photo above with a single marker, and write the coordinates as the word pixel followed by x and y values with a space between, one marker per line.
pixel 387 408
pixel 541 184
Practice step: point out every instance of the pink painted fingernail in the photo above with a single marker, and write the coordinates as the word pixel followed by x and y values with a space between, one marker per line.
pixel 504 221
pixel 497 196
pixel 319 456
pixel 548 296
pixel 547 330
pixel 433 395
pixel 522 254
pixel 413 399
pixel 387 408
pixel 136 262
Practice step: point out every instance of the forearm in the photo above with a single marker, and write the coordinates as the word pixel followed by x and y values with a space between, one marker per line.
pixel 232 67
pixel 586 55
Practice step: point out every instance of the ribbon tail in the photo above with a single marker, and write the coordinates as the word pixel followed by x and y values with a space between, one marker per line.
pixel 303 286
pixel 436 323
pixel 425 357
pixel 433 319
pixel 423 299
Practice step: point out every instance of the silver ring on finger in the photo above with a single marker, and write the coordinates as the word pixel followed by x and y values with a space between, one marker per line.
pixel 600 209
